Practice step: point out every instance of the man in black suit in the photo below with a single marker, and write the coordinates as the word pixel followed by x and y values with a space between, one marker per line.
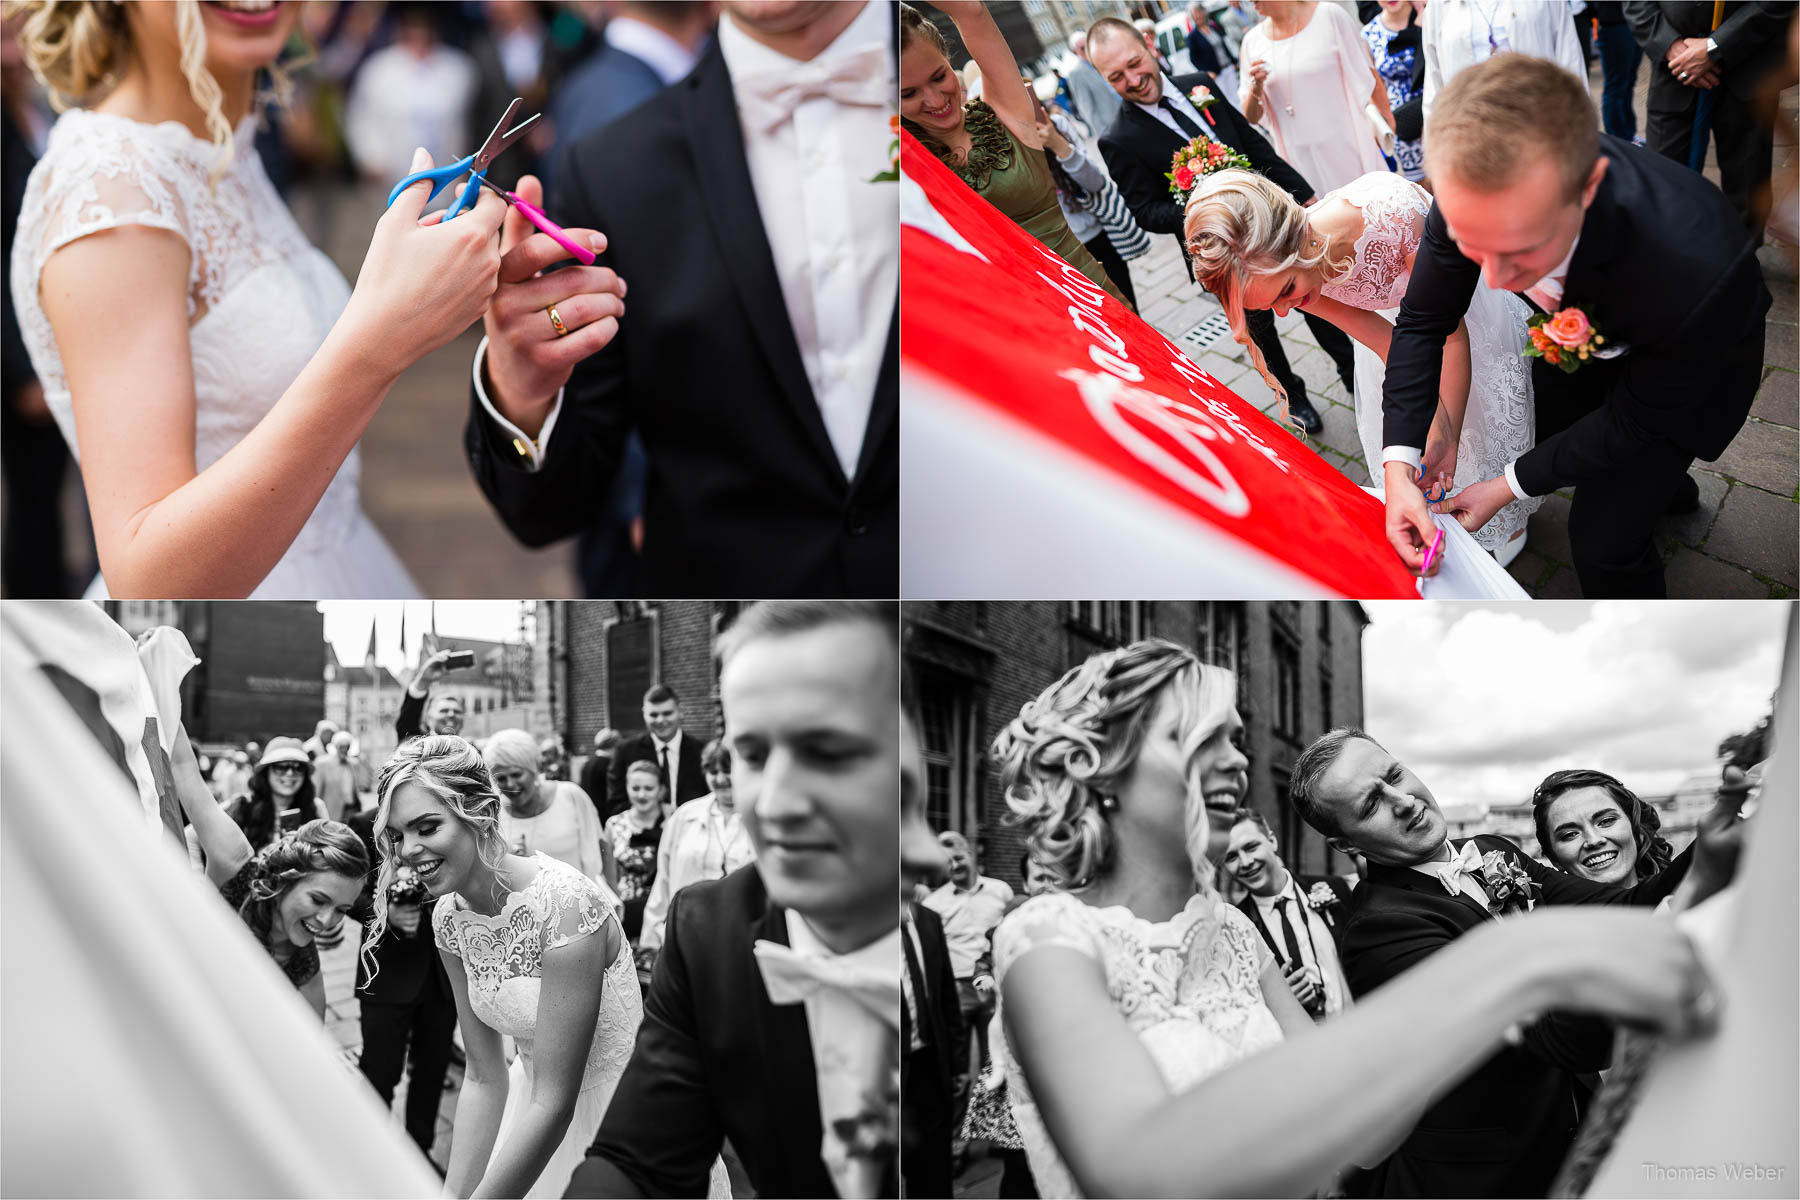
pixel 405 1002
pixel 759 360
pixel 1687 57
pixel 1301 928
pixel 1532 196
pixel 446 708
pixel 1156 120
pixel 800 951
pixel 664 743
pixel 1505 1129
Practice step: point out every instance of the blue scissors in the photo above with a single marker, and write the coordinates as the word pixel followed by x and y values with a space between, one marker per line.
pixel 476 164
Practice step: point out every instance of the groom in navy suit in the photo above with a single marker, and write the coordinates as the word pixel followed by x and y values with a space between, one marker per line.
pixel 1506 1128
pixel 1532 197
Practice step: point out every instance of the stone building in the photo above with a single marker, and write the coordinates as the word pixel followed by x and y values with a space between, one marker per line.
pixel 974 663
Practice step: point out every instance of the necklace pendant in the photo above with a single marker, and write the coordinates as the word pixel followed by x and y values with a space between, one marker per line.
pixel 1290 109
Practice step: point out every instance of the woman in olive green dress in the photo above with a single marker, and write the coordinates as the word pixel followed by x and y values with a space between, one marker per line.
pixel 992 144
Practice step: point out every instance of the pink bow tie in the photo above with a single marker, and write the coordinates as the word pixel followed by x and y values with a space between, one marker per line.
pixel 791 977
pixel 861 79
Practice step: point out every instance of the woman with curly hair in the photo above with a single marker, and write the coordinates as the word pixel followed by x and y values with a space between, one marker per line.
pixel 534 951
pixel 209 366
pixel 292 893
pixel 1150 1042
pixel 1589 824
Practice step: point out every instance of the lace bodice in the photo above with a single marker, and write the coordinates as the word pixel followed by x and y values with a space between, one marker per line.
pixel 503 960
pixel 1188 987
pixel 260 297
pixel 1393 212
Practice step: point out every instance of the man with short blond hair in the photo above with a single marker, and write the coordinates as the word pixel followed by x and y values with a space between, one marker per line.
pixel 1665 307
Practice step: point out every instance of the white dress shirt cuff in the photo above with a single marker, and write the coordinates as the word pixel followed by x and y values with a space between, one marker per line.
pixel 530 449
pixel 1512 481
pixel 1412 456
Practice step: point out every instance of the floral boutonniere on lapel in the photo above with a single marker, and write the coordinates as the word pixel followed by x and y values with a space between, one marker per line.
pixel 1202 98
pixel 1567 338
pixel 1322 900
pixel 1508 886
pixel 892 174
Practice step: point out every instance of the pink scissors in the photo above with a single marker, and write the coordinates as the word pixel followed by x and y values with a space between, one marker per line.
pixel 535 215
pixel 1431 552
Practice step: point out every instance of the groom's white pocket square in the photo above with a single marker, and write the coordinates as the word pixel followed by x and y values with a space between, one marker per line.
pixel 1612 351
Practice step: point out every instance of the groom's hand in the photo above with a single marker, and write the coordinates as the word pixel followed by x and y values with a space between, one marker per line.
pixel 1410 528
pixel 1476 504
pixel 1719 841
pixel 527 360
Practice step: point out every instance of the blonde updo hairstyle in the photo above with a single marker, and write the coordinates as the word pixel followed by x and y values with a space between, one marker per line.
pixel 78 48
pixel 1064 757
pixel 1240 225
pixel 452 770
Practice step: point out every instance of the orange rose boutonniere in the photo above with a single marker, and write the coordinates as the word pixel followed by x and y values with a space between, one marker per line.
pixel 1565 339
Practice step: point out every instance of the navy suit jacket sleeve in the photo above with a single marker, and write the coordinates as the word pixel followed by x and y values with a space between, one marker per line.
pixel 411 721
pixel 662 1131
pixel 587 446
pixel 1437 296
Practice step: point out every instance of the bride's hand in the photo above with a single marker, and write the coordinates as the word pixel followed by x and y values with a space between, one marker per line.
pixel 423 283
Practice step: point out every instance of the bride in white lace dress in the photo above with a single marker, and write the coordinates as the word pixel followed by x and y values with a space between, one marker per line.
pixel 1348 258
pixel 535 952
pixel 209 367
pixel 1120 772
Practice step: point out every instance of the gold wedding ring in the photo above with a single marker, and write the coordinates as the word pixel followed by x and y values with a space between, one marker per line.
pixel 556 322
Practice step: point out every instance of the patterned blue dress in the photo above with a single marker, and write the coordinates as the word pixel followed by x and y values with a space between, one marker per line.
pixel 1396 70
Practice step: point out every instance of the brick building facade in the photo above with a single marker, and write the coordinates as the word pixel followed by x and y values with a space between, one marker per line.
pixel 975 663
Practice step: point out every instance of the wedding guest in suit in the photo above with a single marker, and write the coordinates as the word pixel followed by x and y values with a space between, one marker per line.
pixel 703 839
pixel 1147 789
pixel 1300 922
pixel 446 709
pixel 1589 824
pixel 663 743
pixel 774 454
pixel 1689 56
pixel 1158 118
pixel 1095 101
pixel 1521 1104
pixel 408 1013
pixel 646 47
pixel 1623 246
pixel 993 144
pixel 764 969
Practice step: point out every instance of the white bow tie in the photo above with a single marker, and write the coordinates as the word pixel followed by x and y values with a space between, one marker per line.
pixel 862 79
pixel 1466 862
pixel 791 977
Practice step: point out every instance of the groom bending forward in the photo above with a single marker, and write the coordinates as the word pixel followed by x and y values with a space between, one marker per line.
pixel 1662 305
pixel 1506 1128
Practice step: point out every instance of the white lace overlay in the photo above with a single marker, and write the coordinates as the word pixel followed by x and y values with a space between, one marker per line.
pixel 1499 424
pixel 1188 987
pixel 260 301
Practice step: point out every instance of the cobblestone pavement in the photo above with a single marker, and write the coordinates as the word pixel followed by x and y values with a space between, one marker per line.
pixel 1744 540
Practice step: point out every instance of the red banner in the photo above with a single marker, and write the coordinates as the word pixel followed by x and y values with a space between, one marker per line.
pixel 1043 417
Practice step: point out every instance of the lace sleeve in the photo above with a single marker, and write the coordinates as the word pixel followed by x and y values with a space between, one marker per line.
pixel 102 173
pixel 1053 919
pixel 1244 938
pixel 574 906
pixel 441 927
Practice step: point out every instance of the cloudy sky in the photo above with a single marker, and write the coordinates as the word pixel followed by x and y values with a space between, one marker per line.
pixel 1483 701
pixel 347 625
